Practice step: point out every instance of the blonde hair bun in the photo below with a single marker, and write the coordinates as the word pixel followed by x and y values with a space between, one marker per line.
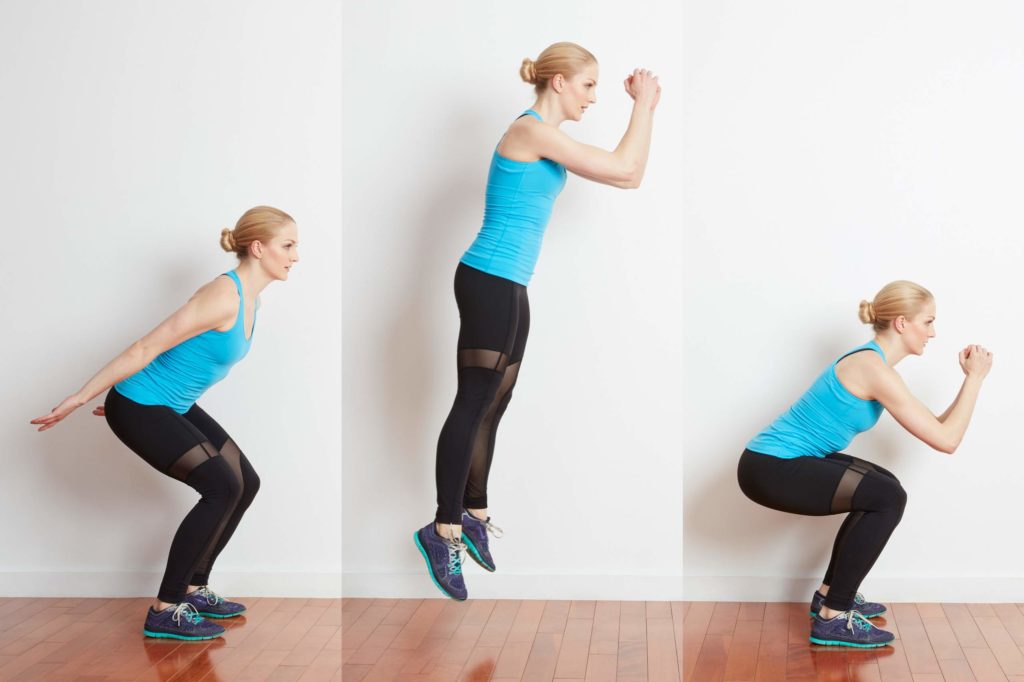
pixel 899 298
pixel 227 240
pixel 528 71
pixel 867 312
pixel 567 59
pixel 258 224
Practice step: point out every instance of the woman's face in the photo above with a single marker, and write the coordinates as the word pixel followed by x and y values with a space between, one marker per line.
pixel 579 92
pixel 281 252
pixel 918 329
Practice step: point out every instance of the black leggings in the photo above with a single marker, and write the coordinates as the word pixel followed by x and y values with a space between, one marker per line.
pixel 192 448
pixel 834 484
pixel 494 318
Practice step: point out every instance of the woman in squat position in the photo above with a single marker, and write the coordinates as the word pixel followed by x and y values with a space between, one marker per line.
pixel 527 172
pixel 795 465
pixel 151 406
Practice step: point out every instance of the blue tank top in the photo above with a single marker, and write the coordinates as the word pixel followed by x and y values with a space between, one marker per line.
pixel 178 376
pixel 520 195
pixel 824 420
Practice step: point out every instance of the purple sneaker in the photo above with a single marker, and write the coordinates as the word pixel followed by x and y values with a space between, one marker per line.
pixel 474 534
pixel 848 629
pixel 180 622
pixel 444 561
pixel 210 604
pixel 868 609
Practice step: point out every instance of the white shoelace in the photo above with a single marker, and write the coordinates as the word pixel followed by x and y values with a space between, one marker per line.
pixel 854 616
pixel 186 611
pixel 212 598
pixel 456 555
pixel 492 529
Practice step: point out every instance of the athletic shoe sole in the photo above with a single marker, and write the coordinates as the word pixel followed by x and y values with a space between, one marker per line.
pixel 167 635
pixel 430 569
pixel 221 615
pixel 475 554
pixel 831 642
pixel 880 613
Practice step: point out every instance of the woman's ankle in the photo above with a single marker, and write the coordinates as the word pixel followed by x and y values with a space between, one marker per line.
pixel 827 614
pixel 448 531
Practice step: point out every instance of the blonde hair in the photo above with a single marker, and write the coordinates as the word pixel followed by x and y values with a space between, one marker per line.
pixel 567 59
pixel 258 224
pixel 896 298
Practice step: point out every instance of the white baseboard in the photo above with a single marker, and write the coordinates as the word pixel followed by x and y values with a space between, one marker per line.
pixel 144 584
pixel 418 585
pixel 885 589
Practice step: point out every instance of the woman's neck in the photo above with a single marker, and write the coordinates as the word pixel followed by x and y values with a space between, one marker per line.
pixel 892 347
pixel 547 106
pixel 254 279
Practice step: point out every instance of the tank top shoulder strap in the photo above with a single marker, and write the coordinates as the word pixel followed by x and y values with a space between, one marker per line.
pixel 870 345
pixel 238 286
pixel 530 112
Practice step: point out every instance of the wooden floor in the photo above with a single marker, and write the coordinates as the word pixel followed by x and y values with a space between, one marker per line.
pixel 101 639
pixel 442 640
pixel 934 643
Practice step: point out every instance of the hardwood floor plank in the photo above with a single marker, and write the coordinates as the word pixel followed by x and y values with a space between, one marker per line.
pixel 678 614
pixel 984 665
pixel 914 640
pixel 957 670
pixel 540 665
pixel 631 657
pixel 773 644
pixel 741 659
pixel 575 649
pixel 710 664
pixel 1000 643
pixel 964 627
pixel 480 665
pixel 446 661
pixel 940 633
pixel 582 609
pixel 601 668
pixel 352 610
pixel 662 663
pixel 554 617
pixel 604 638
pixel 512 660
pixel 695 626
pixel 752 611
pixel 723 620
pixel 1012 619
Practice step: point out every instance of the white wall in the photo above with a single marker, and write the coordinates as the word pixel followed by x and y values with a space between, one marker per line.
pixel 828 149
pixel 586 476
pixel 132 133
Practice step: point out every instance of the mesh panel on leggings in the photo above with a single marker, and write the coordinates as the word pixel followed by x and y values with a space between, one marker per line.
pixel 479 463
pixel 233 456
pixel 842 499
pixel 184 465
pixel 480 357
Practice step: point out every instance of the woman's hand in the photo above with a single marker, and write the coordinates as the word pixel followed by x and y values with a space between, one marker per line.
pixel 66 407
pixel 642 86
pixel 99 411
pixel 975 361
